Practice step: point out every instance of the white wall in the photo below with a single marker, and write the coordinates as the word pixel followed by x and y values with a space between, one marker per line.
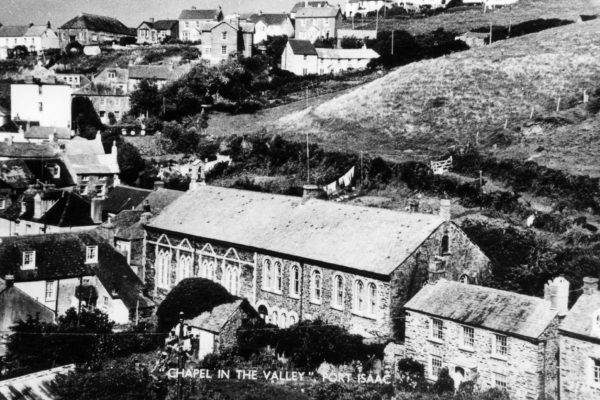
pixel 23 228
pixel 54 100
pixel 297 64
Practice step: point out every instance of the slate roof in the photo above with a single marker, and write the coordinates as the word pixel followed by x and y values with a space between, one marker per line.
pixel 62 255
pixel 13 31
pixel 87 157
pixel 301 4
pixel 27 150
pixel 79 146
pixel 304 47
pixel 162 24
pixel 44 132
pixel 124 198
pixel 157 72
pixel 35 386
pixel 269 19
pixel 243 26
pixel 497 310
pixel 36 31
pixel 97 23
pixel 16 305
pixel 200 14
pixel 159 199
pixel 127 225
pixel 580 318
pixel 362 238
pixel 347 53
pixel 317 12
pixel 214 320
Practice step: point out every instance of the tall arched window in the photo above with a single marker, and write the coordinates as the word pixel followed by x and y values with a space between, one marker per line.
pixel 185 267
pixel 162 267
pixel 372 292
pixel 283 320
pixel 263 312
pixel 278 278
pixel 267 274
pixel 359 296
pixel 292 320
pixel 218 277
pixel 338 291
pixel 210 271
pixel 273 319
pixel 445 247
pixel 316 286
pixel 295 281
pixel 203 273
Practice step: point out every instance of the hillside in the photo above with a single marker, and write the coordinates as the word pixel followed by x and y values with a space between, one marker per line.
pixel 423 108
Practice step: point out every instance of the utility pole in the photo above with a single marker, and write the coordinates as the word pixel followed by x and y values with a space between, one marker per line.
pixel 180 358
pixel 307 96
pixel 307 160
pixel 491 31
pixel 361 167
pixel 377 21
pixel 79 304
pixel 392 42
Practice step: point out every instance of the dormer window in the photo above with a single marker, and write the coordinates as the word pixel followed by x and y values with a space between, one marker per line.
pixel 91 254
pixel 112 75
pixel 28 260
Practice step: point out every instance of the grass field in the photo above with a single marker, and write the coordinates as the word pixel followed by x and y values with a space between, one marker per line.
pixel 421 109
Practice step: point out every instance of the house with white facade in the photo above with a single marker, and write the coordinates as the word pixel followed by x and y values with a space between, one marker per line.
pixel 45 104
pixel 362 7
pixel 266 25
pixel 299 57
pixel 155 32
pixel 191 21
pixel 314 23
pixel 35 38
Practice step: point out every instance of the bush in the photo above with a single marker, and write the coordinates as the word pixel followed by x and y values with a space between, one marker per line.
pixel 127 40
pixel 444 383
pixel 411 375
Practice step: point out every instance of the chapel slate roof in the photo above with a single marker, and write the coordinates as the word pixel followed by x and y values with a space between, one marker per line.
pixel 269 19
pixel 124 198
pixel 579 320
pixel 213 321
pixel 97 23
pixel 302 4
pixel 302 47
pixel 317 12
pixel 365 239
pixel 498 310
pixel 200 14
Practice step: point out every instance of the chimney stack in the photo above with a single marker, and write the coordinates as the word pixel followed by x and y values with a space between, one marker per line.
pixel 445 209
pixel 590 285
pixel 312 192
pixel 159 185
pixel 38 211
pixel 96 210
pixel 10 280
pixel 152 19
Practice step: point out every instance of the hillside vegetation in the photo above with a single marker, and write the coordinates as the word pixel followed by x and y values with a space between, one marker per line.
pixel 481 97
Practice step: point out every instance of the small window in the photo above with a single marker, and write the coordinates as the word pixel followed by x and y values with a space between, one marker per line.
pixel 316 292
pixel 40 106
pixel 435 366
pixel 500 347
pixel 28 260
pixel 437 329
pixel 91 254
pixel 468 337
pixel 295 281
pixel 500 381
pixel 224 35
pixel 49 290
pixel 596 371
pixel 305 57
pixel 338 292
pixel 112 75
pixel 2 204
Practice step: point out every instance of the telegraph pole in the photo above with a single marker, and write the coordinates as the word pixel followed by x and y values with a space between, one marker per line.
pixel 307 160
pixel 180 358
pixel 392 42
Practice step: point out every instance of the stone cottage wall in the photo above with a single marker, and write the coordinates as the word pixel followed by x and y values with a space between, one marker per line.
pixel 576 356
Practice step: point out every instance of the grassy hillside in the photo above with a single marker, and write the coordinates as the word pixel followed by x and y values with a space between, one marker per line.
pixel 422 108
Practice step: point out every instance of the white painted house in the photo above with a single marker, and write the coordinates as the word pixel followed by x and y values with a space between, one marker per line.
pixel 271 25
pixel 353 7
pixel 46 104
pixel 36 38
pixel 299 57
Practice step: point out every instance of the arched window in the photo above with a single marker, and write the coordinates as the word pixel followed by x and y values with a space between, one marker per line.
pixel 295 281
pixel 316 292
pixel 184 267
pixel 338 291
pixel 218 277
pixel 267 274
pixel 464 278
pixel 273 319
pixel 292 320
pixel 283 321
pixel 210 271
pixel 263 312
pixel 278 278
pixel 162 268
pixel 372 292
pixel 445 247
pixel 231 280
pixel 359 296
pixel 203 273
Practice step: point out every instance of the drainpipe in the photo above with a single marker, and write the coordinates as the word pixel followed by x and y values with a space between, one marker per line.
pixel 57 295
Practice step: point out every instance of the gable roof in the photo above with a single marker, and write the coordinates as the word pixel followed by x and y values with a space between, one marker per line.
pixel 214 320
pixel 374 240
pixel 303 47
pixel 27 150
pixel 16 305
pixel 335 54
pixel 159 199
pixel 124 197
pixel 200 14
pixel 161 25
pixel 36 31
pixel 579 320
pixel 498 310
pixel 269 19
pixel 97 23
pixel 44 132
pixel 13 31
pixel 156 72
pixel 302 4
pixel 317 12
pixel 35 386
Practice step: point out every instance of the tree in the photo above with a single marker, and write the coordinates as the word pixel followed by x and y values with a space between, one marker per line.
pixel 74 49
pixel 191 296
pixel 130 162
pixel 274 49
pixel 145 99
pixel 351 43
pixel 328 43
pixel 20 51
pixel 84 117
pixel 444 383
pixel 411 375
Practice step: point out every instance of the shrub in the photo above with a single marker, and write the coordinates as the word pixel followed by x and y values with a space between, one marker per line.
pixel 411 375
pixel 444 383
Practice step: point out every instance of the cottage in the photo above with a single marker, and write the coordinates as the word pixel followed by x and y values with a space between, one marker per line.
pixel 108 93
pixel 266 25
pixel 336 61
pixel 156 32
pixel 191 21
pixel 493 337
pixel 34 38
pixel 579 337
pixel 222 39
pixel 305 4
pixel 284 255
pixel 158 74
pixel 317 23
pixel 300 57
pixel 89 29
pixel 43 104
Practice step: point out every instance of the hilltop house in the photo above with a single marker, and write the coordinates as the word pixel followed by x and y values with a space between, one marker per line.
pixel 43 104
pixel 155 32
pixel 314 23
pixel 191 21
pixel 362 7
pixel 492 337
pixel 62 270
pixel 108 93
pixel 580 346
pixel 284 255
pixel 266 25
pixel 35 38
pixel 75 80
pixel 222 39
pixel 304 4
pixel 88 29
pixel 158 74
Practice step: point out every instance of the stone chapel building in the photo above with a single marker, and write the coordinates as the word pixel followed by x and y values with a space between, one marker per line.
pixel 302 258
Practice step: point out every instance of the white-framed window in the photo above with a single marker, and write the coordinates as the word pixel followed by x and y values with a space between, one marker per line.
pixel 468 337
pixel 185 267
pixel 337 300
pixel 500 345
pixel 359 296
pixel 372 298
pixel 28 260
pixel 283 320
pixel 112 75
pixel 316 286
pixel 278 278
pixel 224 35
pixel 223 50
pixel 594 372
pixel 49 295
pixel 435 365
pixel 187 24
pixel 91 254
pixel 2 204
pixel 40 106
pixel 105 301
pixel 437 329
pixel 295 281
pixel 267 274
pixel 499 380
pixel 274 318
pixel 163 266
pixel 124 247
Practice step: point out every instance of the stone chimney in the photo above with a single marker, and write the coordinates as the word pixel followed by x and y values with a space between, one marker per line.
pixel 445 209
pixel 437 270
pixel 113 150
pixel 152 20
pixel 31 24
pixel 48 25
pixel 10 280
pixel 159 185
pixel 96 210
pixel 312 192
pixel 38 210
pixel 590 285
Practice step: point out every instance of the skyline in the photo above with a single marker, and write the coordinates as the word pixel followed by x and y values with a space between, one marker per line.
pixel 131 12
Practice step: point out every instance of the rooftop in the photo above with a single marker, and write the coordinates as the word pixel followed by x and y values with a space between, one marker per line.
pixel 580 319
pixel 44 132
pixel 124 197
pixel 269 19
pixel 363 53
pixel 302 4
pixel 214 320
pixel 497 310
pixel 157 72
pixel 27 150
pixel 302 47
pixel 317 12
pixel 200 14
pixel 97 23
pixel 374 240
pixel 162 24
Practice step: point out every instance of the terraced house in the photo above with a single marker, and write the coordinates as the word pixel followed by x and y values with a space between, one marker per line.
pixel 301 258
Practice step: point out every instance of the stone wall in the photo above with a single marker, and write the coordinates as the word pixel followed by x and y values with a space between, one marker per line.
pixel 576 357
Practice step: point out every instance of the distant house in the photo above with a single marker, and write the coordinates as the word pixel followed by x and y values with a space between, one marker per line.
pixel 108 93
pixel 158 74
pixel 580 346
pixel 362 7
pixel 190 22
pixel 217 329
pixel 155 32
pixel 303 4
pixel 316 23
pixel 492 337
pixel 63 270
pixel 300 57
pixel 266 25
pixel 35 38
pixel 89 29
pixel 222 39
pixel 45 104
pixel 74 80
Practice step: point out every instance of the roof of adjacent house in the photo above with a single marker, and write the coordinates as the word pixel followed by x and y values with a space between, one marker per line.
pixel 16 174
pixel 317 12
pixel 44 132
pixel 497 310
pixel 580 318
pixel 16 305
pixel 302 4
pixel 127 225
pixel 365 239
pixel 62 255
pixel 200 14
pixel 304 47
pixel 27 150
pixel 162 24
pixel 269 19
pixel 124 198
pixel 159 199
pixel 363 53
pixel 214 320
pixel 13 31
pixel 246 27
pixel 87 157
pixel 156 72
pixel 97 23
pixel 35 386
pixel 36 30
